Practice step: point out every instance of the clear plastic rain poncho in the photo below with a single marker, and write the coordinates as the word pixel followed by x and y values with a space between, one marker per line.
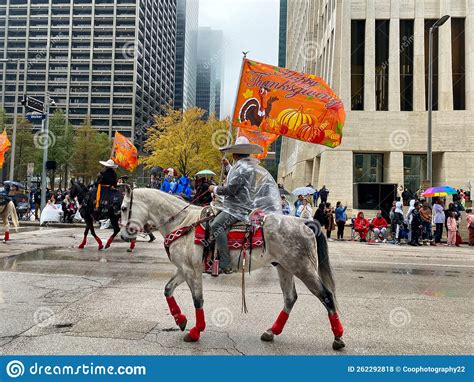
pixel 248 187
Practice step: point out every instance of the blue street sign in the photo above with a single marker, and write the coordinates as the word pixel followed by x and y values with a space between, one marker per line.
pixel 35 117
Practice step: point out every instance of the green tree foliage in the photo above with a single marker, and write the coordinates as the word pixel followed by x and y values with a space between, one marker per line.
pixel 90 147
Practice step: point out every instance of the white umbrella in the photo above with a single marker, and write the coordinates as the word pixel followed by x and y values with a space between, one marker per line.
pixel 206 172
pixel 303 191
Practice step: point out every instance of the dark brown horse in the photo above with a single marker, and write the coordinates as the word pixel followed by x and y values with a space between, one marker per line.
pixel 86 199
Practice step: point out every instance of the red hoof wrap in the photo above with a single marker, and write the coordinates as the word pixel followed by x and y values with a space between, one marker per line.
pixel 175 310
pixel 109 241
pixel 97 239
pixel 83 244
pixel 200 323
pixel 336 325
pixel 7 236
pixel 132 244
pixel 194 333
pixel 280 322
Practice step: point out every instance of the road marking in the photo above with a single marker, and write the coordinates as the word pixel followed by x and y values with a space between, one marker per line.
pixel 418 264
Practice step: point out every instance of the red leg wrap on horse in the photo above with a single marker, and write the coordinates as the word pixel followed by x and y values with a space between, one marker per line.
pixel 132 244
pixel 280 322
pixel 336 325
pixel 7 236
pixel 109 241
pixel 97 239
pixel 175 310
pixel 194 333
pixel 200 322
pixel 83 244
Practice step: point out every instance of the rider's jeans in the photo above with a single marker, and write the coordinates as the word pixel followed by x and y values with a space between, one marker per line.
pixel 219 229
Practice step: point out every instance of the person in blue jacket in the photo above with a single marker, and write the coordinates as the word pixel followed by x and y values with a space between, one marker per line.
pixel 166 186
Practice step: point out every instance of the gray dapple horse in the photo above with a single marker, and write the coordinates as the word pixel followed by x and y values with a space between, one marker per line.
pixel 294 245
pixel 5 212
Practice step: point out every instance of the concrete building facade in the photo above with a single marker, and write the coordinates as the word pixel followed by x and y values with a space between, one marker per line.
pixel 186 54
pixel 374 56
pixel 112 60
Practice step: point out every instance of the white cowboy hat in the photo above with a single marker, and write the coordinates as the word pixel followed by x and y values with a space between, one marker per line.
pixel 110 163
pixel 242 146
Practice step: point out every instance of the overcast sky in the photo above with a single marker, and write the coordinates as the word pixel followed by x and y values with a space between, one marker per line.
pixel 248 25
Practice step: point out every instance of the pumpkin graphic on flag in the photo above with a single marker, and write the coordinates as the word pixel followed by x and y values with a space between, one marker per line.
pixel 294 118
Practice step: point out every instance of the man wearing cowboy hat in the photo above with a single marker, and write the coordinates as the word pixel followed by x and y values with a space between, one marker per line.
pixel 107 179
pixel 237 194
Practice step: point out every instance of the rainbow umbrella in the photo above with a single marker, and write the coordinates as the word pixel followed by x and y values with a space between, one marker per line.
pixel 439 191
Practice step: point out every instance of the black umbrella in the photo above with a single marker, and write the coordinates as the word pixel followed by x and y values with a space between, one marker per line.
pixel 283 192
pixel 14 183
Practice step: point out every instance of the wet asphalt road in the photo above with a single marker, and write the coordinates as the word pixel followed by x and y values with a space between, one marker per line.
pixel 56 299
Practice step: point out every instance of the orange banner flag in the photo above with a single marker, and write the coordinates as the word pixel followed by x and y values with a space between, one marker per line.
pixel 259 138
pixel 5 145
pixel 280 101
pixel 124 153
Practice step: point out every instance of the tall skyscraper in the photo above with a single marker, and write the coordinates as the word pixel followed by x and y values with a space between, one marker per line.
pixel 209 70
pixel 110 60
pixel 374 54
pixel 186 54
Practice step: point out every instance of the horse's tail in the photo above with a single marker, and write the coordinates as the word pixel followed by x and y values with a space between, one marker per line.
pixel 324 266
pixel 13 215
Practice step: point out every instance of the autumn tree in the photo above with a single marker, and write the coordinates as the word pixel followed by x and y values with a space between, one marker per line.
pixel 25 148
pixel 186 142
pixel 90 147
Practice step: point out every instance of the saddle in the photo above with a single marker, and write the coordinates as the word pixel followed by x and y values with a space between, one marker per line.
pixel 242 236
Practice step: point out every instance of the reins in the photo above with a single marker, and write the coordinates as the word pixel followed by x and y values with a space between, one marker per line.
pixel 169 219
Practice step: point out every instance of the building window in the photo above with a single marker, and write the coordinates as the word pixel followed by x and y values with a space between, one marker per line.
pixel 368 168
pixel 428 24
pixel 357 64
pixel 414 171
pixel 407 39
pixel 459 68
pixel 382 32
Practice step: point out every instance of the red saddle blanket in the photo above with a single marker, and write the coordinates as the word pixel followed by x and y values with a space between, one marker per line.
pixel 235 237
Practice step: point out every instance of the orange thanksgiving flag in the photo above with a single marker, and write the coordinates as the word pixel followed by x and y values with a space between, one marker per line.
pixel 124 153
pixel 280 101
pixel 4 146
pixel 259 138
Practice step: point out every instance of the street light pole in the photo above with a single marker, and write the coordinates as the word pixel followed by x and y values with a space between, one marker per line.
pixel 436 25
pixel 45 143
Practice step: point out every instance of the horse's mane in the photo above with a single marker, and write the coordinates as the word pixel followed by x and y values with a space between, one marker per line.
pixel 170 198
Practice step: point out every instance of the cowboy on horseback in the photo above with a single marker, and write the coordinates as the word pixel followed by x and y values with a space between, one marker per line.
pixel 242 193
pixel 106 181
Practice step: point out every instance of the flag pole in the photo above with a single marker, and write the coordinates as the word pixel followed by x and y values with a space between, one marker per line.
pixel 229 135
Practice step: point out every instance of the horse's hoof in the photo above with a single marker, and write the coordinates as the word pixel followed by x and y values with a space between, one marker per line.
pixel 81 247
pixel 182 325
pixel 129 250
pixel 267 336
pixel 338 343
pixel 188 338
pixel 101 248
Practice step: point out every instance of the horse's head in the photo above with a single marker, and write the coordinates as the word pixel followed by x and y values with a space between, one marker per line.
pixel 76 189
pixel 134 214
